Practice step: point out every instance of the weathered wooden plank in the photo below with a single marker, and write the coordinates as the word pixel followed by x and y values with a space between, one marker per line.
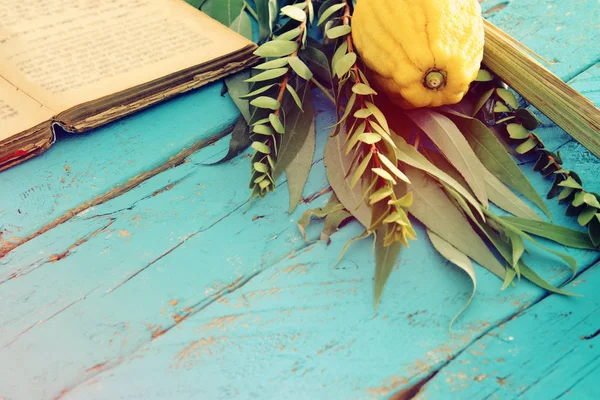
pixel 79 168
pixel 65 328
pixel 549 351
pixel 179 243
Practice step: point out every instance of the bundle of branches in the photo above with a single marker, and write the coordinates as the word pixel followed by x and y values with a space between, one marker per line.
pixel 453 168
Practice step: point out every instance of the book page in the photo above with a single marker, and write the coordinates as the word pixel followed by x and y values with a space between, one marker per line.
pixel 67 52
pixel 18 112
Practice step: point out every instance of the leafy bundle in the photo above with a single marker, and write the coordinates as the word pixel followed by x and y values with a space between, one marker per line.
pixel 453 168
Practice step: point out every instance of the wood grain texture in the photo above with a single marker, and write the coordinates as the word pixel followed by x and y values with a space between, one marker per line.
pixel 179 289
pixel 550 351
pixel 82 167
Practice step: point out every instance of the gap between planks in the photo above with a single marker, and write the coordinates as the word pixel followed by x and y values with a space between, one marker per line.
pixel 412 391
pixel 130 184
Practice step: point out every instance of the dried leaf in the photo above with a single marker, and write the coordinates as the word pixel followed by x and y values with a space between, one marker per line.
pixel 299 168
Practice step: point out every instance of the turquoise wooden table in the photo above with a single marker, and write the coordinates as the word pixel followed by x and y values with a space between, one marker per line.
pixel 129 269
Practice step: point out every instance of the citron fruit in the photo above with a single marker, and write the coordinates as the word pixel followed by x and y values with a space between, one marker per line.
pixel 421 53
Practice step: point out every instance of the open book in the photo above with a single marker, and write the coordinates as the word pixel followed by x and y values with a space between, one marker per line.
pixel 83 63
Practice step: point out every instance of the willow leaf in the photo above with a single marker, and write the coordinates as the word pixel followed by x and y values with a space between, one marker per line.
pixel 240 140
pixel 385 258
pixel 433 208
pixel 446 136
pixel 559 234
pixel 534 278
pixel 495 158
pixel 337 163
pixel 333 221
pixel 298 125
pixel 299 168
pixel 459 259
pixel 409 155
pixel 570 261
pixel 504 198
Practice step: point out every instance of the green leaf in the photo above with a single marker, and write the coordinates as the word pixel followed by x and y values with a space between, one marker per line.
pixel 585 217
pixel 263 130
pixel 294 13
pixel 298 126
pixel 446 136
pixel 265 102
pixel 459 259
pixel 300 68
pixel 518 247
pixel 338 31
pixel 594 230
pixel 276 123
pixel 318 63
pixel 504 198
pixel 508 97
pixel 340 52
pixel 578 200
pixel 269 74
pixel 360 170
pixel 527 119
pixel 336 164
pixel 257 91
pixel 299 168
pixel 226 11
pixel 482 100
pixel 240 140
pixel 261 147
pixel 571 183
pixel 242 25
pixel 329 12
pixel 483 76
pixel 378 116
pixel 528 145
pixel 369 137
pixel 362 89
pixel 494 157
pixel 260 167
pixel 276 63
pixel 433 208
pixel 409 155
pixel 292 34
pixel 591 200
pixel 363 113
pixel 265 18
pixel 384 174
pixel 517 131
pixel 537 280
pixel 237 88
pixel 385 259
pixel 276 48
pixel 343 65
pixel 381 194
pixel 500 108
pixel 393 168
pixel 509 227
pixel 295 96
pixel 508 278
